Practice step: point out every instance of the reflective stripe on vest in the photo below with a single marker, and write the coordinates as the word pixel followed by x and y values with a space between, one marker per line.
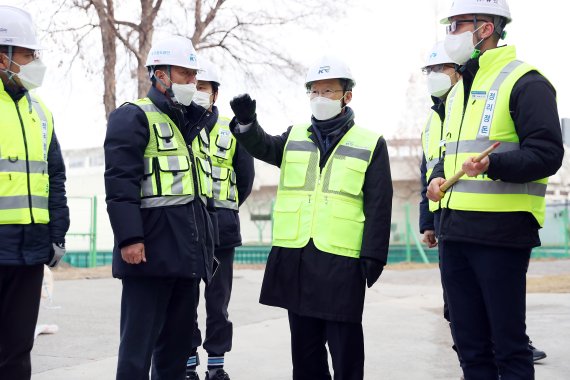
pixel 27 129
pixel 7 166
pixel 222 151
pixel 44 125
pixel 327 205
pixel 21 202
pixel 484 124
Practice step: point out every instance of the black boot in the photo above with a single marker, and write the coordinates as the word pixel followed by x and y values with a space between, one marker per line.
pixel 536 353
pixel 217 374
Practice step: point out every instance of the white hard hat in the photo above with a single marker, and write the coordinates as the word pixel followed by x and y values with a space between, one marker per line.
pixel 468 7
pixel 328 67
pixel 173 51
pixel 17 28
pixel 208 72
pixel 438 55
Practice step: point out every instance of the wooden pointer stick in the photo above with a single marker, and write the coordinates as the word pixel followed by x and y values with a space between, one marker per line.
pixel 450 182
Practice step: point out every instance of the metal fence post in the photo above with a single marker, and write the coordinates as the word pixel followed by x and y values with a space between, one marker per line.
pixel 93 234
pixel 408 232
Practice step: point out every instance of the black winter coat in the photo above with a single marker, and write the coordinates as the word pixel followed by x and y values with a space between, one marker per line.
pixel 30 244
pixel 178 239
pixel 308 281
pixel 535 114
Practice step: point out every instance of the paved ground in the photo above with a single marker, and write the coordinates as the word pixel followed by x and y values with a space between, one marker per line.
pixel 406 337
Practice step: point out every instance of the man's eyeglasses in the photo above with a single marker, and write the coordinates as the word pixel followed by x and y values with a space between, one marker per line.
pixel 436 68
pixel 325 93
pixel 454 25
pixel 28 53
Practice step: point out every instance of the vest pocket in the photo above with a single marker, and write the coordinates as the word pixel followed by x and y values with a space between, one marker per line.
pixel 174 176
pixel 164 137
pixel 347 225
pixel 223 144
pixel 205 176
pixel 286 218
pixel 296 165
pixel 347 175
pixel 232 188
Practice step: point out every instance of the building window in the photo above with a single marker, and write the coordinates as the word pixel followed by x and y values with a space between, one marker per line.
pixel 97 160
pixel 77 162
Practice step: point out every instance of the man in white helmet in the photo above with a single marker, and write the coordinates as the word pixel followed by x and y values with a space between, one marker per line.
pixel 34 217
pixel 491 217
pixel 157 181
pixel 442 75
pixel 232 174
pixel 331 221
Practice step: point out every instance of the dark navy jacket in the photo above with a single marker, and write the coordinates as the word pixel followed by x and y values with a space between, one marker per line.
pixel 178 239
pixel 535 114
pixel 30 244
pixel 228 220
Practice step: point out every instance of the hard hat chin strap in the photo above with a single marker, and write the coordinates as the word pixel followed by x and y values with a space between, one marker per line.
pixel 168 89
pixel 7 71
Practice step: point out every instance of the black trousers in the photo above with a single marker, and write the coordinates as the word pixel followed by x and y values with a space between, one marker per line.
pixel 20 292
pixel 219 329
pixel 154 324
pixel 486 295
pixel 308 338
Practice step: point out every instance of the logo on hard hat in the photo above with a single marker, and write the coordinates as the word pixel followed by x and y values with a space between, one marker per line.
pixel 324 69
pixel 161 52
pixel 192 58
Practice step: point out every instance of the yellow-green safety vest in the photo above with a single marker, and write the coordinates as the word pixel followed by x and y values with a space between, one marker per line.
pixel 222 150
pixel 169 166
pixel 26 129
pixel 487 119
pixel 433 145
pixel 327 205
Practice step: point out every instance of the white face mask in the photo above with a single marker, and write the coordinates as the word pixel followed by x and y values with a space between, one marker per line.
pixel 32 74
pixel 438 84
pixel 325 108
pixel 184 93
pixel 460 47
pixel 202 99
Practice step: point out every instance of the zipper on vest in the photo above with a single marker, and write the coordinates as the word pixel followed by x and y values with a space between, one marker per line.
pixel 27 163
pixel 315 193
pixel 194 166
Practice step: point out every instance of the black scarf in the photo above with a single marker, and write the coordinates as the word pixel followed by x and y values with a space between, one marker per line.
pixel 329 132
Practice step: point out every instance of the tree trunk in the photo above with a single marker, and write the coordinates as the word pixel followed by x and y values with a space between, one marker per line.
pixel 109 54
pixel 145 40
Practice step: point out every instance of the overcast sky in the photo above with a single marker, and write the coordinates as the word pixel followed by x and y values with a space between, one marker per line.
pixel 384 42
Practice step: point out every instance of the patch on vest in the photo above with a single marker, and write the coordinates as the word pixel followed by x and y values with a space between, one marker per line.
pixel 353 145
pixel 478 95
pixel 485 127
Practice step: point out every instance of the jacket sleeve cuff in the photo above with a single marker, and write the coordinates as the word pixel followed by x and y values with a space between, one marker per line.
pixel 374 255
pixel 130 241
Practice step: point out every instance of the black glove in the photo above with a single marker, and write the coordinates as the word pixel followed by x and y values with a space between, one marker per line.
pixel 371 269
pixel 56 254
pixel 244 108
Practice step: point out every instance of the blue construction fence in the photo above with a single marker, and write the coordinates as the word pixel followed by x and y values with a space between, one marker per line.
pixel 258 255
